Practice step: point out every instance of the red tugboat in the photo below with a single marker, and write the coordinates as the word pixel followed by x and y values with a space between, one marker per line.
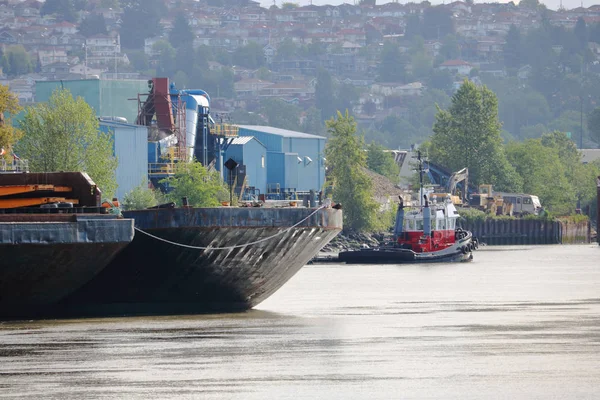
pixel 427 233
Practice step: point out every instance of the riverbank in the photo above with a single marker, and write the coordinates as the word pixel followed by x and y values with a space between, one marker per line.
pixel 355 241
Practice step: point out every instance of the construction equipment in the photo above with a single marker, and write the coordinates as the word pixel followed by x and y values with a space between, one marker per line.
pixel 16 196
pixel 490 202
pixel 450 188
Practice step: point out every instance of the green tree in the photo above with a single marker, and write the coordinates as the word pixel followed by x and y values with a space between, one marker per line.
pixel 181 33
pixel 346 160
pixel 513 48
pixel 287 49
pixel 140 20
pixel 593 124
pixel 413 26
pixel 9 105
pixel 63 135
pixel 115 4
pixel 391 65
pixel 264 74
pixel 16 61
pixel 422 66
pixel 166 58
pixel 382 162
pixel 440 79
pixel 581 33
pixel 63 8
pixel 93 24
pixel 181 80
pixel 468 135
pixel 313 122
pixel 543 174
pixel 140 197
pixel 577 174
pixel 531 4
pixel 281 114
pixel 186 59
pixel 203 188
pixel 324 94
pixel 250 56
pixel 450 49
pixel 346 96
pixel 437 22
pixel 139 60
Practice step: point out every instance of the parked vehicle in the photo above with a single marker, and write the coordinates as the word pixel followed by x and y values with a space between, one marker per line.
pixel 503 203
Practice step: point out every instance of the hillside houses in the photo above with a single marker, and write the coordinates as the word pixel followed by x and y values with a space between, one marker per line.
pixel 345 40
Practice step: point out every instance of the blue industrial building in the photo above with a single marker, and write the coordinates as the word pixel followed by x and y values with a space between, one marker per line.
pixel 295 160
pixel 251 155
pixel 131 150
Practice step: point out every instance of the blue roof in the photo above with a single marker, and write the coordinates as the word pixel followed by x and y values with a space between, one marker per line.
pixel 281 132
pixel 245 139
pixel 110 122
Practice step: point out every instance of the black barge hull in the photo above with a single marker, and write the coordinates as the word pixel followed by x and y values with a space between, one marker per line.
pixel 153 276
pixel 398 256
pixel 44 258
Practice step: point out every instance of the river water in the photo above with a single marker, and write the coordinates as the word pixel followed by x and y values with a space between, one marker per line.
pixel 516 323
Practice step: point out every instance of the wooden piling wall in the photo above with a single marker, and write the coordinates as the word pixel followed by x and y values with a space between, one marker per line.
pixel 528 231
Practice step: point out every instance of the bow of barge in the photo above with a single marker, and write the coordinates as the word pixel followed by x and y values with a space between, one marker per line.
pixel 193 260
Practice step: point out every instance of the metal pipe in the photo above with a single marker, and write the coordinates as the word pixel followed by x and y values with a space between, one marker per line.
pixel 598 209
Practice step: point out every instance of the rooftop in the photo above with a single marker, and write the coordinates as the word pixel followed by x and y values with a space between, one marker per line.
pixel 280 132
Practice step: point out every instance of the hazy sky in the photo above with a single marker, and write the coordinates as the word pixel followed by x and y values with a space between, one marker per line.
pixel 552 4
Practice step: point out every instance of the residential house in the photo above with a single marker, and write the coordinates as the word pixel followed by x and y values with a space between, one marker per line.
pixel 9 37
pixel 288 90
pixel 524 72
pixel 305 14
pixel 270 52
pixel 57 68
pixel 457 66
pixel 366 98
pixel 23 89
pixel 250 87
pixel 353 35
pixel 332 12
pixel 51 56
pixel 490 47
pixel 397 89
pixel 459 7
pixel 149 45
pixel 81 69
pixel 297 66
pixel 6 12
pixel 65 27
pixel 104 50
pixel 70 41
pixel 494 69
pixel 432 48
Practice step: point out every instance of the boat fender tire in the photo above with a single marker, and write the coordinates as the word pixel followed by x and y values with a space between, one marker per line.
pixel 464 249
pixel 476 244
pixel 471 246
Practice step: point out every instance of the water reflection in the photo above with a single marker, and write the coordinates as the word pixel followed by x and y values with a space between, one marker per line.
pixel 517 323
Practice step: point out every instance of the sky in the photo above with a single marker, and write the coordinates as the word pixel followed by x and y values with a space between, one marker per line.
pixel 552 4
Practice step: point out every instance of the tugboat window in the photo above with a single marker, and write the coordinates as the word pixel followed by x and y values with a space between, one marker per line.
pixel 441 224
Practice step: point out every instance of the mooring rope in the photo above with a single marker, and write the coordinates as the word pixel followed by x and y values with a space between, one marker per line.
pixel 229 247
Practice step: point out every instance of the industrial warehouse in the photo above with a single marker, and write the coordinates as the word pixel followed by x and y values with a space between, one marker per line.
pixel 270 163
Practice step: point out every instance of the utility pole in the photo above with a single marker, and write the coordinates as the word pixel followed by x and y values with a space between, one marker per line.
pixel 581 123
pixel 116 47
pixel 85 64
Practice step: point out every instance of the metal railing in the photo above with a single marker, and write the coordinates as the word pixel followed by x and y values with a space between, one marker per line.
pixel 227 130
pixel 14 165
